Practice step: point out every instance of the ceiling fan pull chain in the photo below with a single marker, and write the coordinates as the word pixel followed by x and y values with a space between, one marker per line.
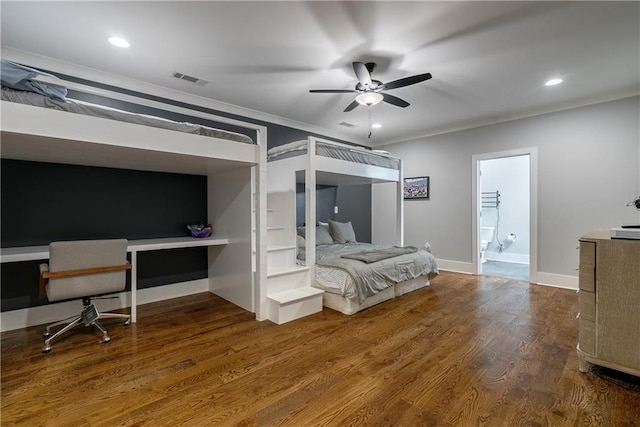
pixel 370 128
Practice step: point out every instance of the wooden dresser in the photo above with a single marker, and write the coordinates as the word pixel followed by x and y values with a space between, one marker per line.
pixel 609 319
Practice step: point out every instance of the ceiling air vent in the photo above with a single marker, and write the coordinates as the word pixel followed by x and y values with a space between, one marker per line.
pixel 199 82
pixel 347 125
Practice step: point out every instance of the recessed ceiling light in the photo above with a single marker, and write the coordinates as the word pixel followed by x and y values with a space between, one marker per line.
pixel 553 82
pixel 376 125
pixel 118 41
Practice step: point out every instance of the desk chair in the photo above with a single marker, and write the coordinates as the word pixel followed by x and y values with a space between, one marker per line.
pixel 84 269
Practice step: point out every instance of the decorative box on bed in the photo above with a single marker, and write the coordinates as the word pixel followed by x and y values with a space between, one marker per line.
pixel 81 133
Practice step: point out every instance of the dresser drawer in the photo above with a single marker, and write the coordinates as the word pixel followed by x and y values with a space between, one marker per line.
pixel 587 270
pixel 587 305
pixel 587 335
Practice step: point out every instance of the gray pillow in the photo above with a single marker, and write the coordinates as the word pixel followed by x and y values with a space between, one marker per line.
pixel 323 237
pixel 342 232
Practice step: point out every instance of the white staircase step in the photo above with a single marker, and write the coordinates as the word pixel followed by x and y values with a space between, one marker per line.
pixel 281 256
pixel 293 295
pixel 294 303
pixel 276 248
pixel 287 270
pixel 285 278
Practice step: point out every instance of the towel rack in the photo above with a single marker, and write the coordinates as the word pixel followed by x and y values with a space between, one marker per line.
pixel 490 199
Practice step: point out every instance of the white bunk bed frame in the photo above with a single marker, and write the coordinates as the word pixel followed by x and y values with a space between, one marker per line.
pixel 236 191
pixel 319 169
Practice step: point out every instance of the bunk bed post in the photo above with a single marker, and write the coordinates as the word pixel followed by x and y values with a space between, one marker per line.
pixel 400 206
pixel 310 214
pixel 260 235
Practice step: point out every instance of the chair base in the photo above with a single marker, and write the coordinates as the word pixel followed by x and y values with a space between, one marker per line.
pixel 81 320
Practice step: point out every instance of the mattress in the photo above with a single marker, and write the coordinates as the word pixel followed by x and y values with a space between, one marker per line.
pixel 94 110
pixel 356 281
pixel 344 305
pixel 335 151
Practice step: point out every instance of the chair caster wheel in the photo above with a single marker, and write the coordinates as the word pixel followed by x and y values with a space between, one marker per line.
pixel 127 323
pixel 46 334
pixel 46 349
pixel 106 340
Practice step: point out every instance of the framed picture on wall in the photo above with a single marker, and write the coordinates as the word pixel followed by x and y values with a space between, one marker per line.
pixel 416 188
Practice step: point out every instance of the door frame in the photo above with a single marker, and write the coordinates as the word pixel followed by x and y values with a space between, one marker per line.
pixel 532 152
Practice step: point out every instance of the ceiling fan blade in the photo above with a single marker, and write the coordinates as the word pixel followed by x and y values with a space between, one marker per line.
pixel 394 100
pixel 331 90
pixel 406 81
pixel 362 73
pixel 351 106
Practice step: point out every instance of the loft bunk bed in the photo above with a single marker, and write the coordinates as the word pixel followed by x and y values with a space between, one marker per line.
pixel 55 129
pixel 320 162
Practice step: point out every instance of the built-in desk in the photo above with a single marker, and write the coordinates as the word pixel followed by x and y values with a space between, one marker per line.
pixel 32 253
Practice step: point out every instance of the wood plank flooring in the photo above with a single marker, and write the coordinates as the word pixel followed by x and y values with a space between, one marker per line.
pixel 468 351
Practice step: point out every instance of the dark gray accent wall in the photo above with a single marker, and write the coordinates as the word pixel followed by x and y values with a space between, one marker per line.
pixel 354 202
pixel 326 196
pixel 45 202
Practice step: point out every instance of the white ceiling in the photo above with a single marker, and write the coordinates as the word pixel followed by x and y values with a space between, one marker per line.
pixel 489 60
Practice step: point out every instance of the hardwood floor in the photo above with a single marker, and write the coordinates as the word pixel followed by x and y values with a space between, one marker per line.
pixel 468 351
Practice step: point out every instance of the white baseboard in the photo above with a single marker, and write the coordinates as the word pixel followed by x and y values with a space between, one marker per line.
pixel 544 279
pixel 455 266
pixel 44 314
pixel 558 281
pixel 506 257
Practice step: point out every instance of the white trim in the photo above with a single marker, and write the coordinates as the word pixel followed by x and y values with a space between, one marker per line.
pixel 44 314
pixel 473 124
pixel 506 257
pixel 544 279
pixel 532 152
pixel 558 281
pixel 455 266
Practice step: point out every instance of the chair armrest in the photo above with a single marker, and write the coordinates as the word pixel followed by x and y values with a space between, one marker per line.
pixel 46 274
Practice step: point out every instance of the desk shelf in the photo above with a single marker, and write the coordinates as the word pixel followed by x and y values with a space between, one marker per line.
pixel 33 253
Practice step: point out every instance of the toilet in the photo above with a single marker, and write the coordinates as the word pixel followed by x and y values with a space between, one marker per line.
pixel 486 237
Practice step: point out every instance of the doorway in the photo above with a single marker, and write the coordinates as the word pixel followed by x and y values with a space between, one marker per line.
pixel 505 214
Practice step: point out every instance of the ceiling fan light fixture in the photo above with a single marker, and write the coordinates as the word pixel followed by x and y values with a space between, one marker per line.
pixel 369 98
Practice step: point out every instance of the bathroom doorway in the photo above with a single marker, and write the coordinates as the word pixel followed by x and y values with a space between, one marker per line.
pixel 505 215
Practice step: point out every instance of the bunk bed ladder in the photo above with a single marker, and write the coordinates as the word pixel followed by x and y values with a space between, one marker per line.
pixel 290 295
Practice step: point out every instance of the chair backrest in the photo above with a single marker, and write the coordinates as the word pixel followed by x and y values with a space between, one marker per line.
pixel 83 254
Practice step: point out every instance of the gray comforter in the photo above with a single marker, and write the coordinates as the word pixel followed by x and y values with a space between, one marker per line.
pixel 371 278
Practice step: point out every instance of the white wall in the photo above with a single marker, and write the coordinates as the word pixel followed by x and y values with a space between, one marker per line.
pixel 587 167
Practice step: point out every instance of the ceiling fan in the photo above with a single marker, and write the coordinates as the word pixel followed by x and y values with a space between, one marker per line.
pixel 370 92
